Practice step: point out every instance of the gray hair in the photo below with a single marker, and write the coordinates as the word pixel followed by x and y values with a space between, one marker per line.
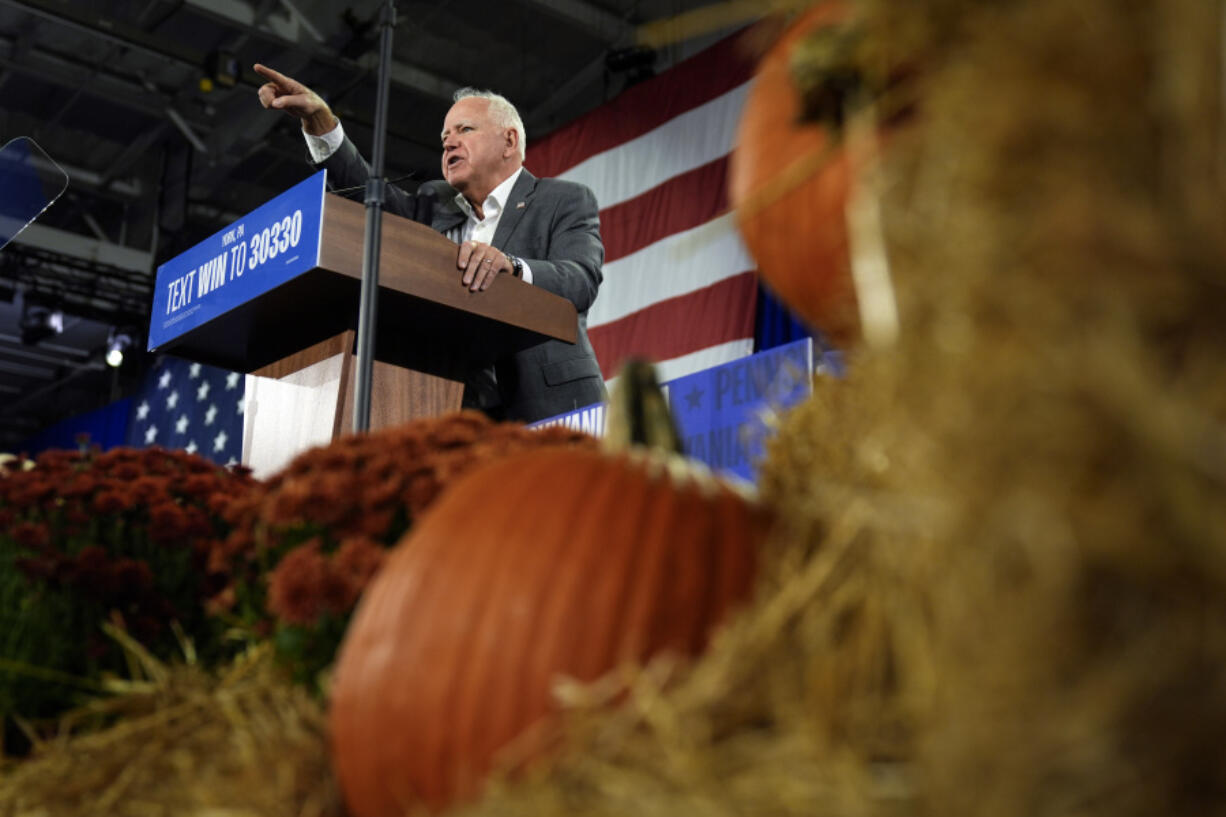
pixel 502 111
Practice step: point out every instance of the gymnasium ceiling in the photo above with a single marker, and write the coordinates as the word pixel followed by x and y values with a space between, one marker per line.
pixel 163 146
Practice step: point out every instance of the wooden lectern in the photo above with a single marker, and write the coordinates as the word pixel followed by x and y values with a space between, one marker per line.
pixel 296 342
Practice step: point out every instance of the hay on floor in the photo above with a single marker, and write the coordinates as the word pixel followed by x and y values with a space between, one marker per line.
pixel 185 743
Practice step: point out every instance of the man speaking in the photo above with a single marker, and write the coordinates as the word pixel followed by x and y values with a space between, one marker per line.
pixel 506 221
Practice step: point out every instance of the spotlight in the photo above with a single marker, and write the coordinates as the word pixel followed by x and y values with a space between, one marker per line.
pixel 116 345
pixel 222 68
pixel 39 322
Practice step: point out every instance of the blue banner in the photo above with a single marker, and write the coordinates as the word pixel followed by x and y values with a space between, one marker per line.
pixel 723 413
pixel 270 245
pixel 104 427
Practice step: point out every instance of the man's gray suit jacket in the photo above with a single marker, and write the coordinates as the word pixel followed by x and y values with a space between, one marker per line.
pixel 554 226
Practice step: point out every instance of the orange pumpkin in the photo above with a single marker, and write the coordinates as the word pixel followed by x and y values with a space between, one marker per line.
pixel 563 562
pixel 789 183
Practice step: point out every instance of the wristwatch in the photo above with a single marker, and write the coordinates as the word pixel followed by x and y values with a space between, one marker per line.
pixel 517 266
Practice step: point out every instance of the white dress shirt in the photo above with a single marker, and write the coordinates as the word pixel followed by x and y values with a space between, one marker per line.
pixel 473 229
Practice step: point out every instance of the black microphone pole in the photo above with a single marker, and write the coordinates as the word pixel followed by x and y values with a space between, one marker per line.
pixel 375 190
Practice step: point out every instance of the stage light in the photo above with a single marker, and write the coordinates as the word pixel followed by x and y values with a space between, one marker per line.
pixel 39 321
pixel 116 345
pixel 223 69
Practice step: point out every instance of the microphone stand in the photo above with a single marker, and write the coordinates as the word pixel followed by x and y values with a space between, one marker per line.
pixel 375 192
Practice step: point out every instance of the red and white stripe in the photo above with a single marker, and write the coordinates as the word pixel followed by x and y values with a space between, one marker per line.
pixel 679 286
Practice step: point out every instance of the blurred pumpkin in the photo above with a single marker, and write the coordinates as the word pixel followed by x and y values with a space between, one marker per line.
pixel 789 176
pixel 559 562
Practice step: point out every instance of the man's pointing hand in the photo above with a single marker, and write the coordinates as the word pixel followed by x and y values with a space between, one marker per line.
pixel 297 100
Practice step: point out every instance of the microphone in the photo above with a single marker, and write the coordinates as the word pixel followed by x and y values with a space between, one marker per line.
pixel 348 192
pixel 423 207
pixel 419 208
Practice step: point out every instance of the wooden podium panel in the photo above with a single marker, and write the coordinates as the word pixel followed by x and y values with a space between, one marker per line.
pixel 307 399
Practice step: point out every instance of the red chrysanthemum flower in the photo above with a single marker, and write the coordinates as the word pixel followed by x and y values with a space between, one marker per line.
pixel 30 489
pixel 107 502
pixel 127 471
pixel 31 535
pixel 295 586
pixel 147 489
pixel 337 594
pixel 82 484
pixel 358 559
pixel 167 522
pixel 198 484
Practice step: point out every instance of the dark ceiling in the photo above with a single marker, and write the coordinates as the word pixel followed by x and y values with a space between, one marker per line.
pixel 161 152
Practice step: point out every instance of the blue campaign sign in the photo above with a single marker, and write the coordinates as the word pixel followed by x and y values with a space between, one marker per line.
pixel 272 244
pixel 722 412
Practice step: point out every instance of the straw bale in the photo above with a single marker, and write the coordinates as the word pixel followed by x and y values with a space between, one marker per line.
pixel 1000 586
pixel 1066 293
pixel 240 743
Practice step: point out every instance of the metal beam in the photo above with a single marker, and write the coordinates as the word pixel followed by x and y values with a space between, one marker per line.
pixel 136 151
pixel 593 19
pixel 43 66
pixel 39 372
pixel 98 25
pixel 612 29
pixel 301 19
pixel 288 31
pixel 413 77
pixel 23 352
pixel 287 27
pixel 539 117
pixel 22 43
pixel 87 249
pixel 70 351
pixel 95 227
pixel 186 129
pixel 131 188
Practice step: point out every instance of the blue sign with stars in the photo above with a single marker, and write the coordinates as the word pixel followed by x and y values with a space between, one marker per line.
pixel 723 413
pixel 192 407
pixel 269 246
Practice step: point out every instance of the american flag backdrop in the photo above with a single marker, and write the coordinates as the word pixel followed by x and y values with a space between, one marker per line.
pixel 192 407
pixel 679 285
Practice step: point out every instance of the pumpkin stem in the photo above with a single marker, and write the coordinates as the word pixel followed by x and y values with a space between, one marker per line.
pixel 828 76
pixel 639 413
